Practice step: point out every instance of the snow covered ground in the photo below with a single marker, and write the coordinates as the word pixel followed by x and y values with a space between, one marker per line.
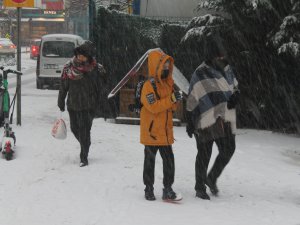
pixel 44 184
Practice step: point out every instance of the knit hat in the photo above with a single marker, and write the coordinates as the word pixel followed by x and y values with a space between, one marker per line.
pixel 213 46
pixel 86 49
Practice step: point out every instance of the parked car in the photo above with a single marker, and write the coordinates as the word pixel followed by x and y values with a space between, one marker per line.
pixel 55 51
pixel 34 48
pixel 7 48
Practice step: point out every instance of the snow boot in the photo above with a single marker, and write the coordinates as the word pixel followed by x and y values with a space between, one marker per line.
pixel 212 186
pixel 83 162
pixel 168 194
pixel 202 194
pixel 149 194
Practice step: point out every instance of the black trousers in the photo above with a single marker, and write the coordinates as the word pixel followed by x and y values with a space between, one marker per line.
pixel 167 156
pixel 81 124
pixel 226 147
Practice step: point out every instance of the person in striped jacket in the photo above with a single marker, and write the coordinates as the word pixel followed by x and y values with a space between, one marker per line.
pixel 211 115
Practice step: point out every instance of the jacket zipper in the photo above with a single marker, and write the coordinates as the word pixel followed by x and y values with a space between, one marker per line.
pixel 167 126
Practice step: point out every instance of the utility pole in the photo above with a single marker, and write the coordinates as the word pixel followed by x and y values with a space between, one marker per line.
pixel 19 67
pixel 18 4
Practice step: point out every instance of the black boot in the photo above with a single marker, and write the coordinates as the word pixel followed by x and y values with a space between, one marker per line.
pixel 202 194
pixel 212 184
pixel 149 194
pixel 84 162
pixel 168 194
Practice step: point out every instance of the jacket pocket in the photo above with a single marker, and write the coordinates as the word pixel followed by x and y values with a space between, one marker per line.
pixel 150 130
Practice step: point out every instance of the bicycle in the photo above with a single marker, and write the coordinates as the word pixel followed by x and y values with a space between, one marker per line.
pixel 9 138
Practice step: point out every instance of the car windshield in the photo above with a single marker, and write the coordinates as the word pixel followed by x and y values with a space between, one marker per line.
pixel 5 42
pixel 58 49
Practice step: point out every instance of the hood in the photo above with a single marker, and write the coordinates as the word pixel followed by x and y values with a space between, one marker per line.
pixel 156 60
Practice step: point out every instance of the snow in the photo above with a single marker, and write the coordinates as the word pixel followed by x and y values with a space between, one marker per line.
pixel 198 26
pixel 292 47
pixel 194 32
pixel 285 32
pixel 288 21
pixel 44 184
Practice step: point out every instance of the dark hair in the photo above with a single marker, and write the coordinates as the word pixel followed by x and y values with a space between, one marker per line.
pixel 86 49
pixel 213 46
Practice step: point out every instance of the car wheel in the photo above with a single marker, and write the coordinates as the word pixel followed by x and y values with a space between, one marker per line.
pixel 39 84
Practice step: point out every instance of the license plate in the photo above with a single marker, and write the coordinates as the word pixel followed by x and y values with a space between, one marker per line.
pixel 50 66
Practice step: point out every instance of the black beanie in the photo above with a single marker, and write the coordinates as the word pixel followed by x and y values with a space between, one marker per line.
pixel 213 46
pixel 86 49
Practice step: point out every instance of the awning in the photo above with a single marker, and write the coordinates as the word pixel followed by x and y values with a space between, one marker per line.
pixel 48 19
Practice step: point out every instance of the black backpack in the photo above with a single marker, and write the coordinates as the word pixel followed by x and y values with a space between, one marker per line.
pixel 137 106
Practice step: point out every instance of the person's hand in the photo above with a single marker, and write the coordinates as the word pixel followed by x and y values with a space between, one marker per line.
pixel 190 129
pixel 176 96
pixel 62 108
pixel 233 100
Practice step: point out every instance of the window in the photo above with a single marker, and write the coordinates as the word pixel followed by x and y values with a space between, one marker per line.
pixel 58 49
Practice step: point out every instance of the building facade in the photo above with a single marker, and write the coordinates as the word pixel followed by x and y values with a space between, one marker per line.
pixel 78 17
pixel 46 18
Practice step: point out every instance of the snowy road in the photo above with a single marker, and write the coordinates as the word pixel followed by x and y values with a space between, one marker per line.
pixel 44 185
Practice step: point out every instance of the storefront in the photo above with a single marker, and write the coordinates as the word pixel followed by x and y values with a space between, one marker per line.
pixel 41 22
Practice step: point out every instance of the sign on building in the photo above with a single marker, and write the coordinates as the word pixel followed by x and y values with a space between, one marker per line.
pixel 18 3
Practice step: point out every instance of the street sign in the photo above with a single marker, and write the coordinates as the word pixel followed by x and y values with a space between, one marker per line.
pixel 18 3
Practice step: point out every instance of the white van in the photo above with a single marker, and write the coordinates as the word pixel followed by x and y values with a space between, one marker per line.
pixel 55 51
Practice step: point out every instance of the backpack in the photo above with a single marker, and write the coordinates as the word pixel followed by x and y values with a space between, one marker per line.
pixel 137 106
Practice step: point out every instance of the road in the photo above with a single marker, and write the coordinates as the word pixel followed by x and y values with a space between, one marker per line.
pixel 28 69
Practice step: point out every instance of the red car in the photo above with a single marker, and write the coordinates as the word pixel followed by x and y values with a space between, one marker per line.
pixel 35 48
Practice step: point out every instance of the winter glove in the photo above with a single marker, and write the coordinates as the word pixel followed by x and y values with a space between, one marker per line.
pixel 190 128
pixel 62 108
pixel 176 96
pixel 233 100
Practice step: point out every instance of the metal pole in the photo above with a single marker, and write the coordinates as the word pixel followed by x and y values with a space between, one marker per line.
pixel 19 67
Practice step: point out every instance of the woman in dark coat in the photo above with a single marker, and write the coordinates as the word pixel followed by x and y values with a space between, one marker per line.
pixel 82 82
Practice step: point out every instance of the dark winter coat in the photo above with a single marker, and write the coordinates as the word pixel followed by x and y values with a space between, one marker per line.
pixel 84 93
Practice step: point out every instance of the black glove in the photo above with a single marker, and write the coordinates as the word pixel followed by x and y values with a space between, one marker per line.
pixel 233 100
pixel 62 108
pixel 176 96
pixel 190 129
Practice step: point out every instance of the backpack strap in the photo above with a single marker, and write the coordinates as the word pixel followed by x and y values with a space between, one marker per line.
pixel 152 82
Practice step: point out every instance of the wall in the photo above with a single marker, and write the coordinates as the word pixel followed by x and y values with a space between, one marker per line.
pixel 167 8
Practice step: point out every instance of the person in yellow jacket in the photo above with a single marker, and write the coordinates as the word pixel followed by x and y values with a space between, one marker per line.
pixel 159 100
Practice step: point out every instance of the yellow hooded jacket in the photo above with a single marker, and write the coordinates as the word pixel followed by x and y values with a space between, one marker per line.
pixel 156 115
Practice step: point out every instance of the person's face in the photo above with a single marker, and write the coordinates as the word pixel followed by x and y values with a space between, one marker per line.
pixel 221 62
pixel 82 58
pixel 165 71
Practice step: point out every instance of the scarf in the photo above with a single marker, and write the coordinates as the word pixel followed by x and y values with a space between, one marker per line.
pixel 75 69
pixel 208 95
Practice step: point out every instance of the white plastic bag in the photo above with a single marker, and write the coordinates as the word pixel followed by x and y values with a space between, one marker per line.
pixel 59 129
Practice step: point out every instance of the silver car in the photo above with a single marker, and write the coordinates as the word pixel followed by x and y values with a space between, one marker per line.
pixel 7 47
